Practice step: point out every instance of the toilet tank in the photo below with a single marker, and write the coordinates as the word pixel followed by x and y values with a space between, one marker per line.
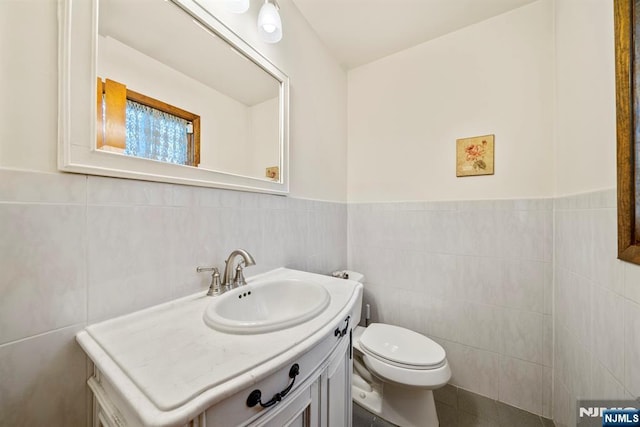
pixel 354 275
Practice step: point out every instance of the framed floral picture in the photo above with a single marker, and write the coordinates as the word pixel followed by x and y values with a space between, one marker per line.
pixel 474 156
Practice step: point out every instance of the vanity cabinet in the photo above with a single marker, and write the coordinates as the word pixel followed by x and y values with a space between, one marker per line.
pixel 164 367
pixel 321 399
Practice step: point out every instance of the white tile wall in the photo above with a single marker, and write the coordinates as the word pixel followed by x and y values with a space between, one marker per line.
pixel 523 335
pixel 521 383
pixel 632 348
pixel 597 315
pixel 43 381
pixel 474 275
pixel 77 249
pixel 41 292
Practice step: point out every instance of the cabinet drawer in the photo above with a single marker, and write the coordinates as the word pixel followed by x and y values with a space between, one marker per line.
pixel 234 411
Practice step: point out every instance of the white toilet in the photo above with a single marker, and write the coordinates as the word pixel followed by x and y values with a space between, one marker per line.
pixel 395 371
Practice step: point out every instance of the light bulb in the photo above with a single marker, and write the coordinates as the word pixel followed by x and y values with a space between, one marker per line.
pixel 269 23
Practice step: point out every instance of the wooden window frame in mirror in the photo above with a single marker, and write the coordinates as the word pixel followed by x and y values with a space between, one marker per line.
pixel 626 117
pixel 112 135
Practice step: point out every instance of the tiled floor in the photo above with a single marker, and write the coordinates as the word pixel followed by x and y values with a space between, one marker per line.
pixel 460 408
pixel 362 418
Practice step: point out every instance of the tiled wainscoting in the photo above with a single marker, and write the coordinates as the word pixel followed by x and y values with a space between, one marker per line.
pixel 77 249
pixel 596 306
pixel 474 276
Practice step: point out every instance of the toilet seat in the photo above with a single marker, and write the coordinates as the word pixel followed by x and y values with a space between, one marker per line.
pixel 401 347
pixel 428 369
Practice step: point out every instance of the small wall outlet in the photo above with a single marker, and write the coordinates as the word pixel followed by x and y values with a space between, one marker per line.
pixel 273 172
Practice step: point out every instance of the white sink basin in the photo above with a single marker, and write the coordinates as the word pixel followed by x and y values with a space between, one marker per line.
pixel 266 306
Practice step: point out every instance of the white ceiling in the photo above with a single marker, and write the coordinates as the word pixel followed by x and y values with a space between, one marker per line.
pixel 361 31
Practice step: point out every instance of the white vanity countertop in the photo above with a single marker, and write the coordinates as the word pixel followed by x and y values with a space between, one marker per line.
pixel 171 366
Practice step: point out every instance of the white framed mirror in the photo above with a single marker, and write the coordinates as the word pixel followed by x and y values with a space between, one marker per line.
pixel 161 90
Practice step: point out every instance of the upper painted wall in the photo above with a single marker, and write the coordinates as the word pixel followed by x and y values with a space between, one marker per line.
pixel 318 86
pixel 585 117
pixel 407 110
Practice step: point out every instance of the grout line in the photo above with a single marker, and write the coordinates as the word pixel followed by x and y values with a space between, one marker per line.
pixel 51 331
pixel 29 203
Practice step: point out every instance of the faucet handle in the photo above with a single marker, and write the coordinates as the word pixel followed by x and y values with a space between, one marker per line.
pixel 239 279
pixel 214 288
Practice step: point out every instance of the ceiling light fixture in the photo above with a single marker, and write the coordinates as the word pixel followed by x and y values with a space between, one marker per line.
pixel 269 22
pixel 237 6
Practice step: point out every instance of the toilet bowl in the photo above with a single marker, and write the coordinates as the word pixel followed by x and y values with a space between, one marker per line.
pixel 395 371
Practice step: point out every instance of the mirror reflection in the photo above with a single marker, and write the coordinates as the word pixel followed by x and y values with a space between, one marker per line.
pixel 170 90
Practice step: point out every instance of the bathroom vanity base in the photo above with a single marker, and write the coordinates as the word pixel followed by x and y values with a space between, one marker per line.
pixel 322 399
pixel 302 375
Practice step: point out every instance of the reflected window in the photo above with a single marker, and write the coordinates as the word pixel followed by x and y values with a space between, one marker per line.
pixel 137 125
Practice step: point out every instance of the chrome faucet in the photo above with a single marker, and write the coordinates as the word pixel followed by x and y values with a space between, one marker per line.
pixel 247 260
pixel 214 288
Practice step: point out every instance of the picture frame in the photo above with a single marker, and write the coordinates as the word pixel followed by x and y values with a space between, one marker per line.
pixel 475 156
pixel 627 29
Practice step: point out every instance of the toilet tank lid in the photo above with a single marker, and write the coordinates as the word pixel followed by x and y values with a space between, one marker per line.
pixel 354 275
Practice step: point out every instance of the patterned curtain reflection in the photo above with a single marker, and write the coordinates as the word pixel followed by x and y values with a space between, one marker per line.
pixel 156 135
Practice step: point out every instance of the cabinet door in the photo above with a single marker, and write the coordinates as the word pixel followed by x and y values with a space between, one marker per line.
pixel 302 420
pixel 300 411
pixel 338 386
